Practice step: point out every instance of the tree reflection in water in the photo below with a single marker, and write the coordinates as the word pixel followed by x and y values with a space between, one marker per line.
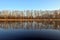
pixel 30 25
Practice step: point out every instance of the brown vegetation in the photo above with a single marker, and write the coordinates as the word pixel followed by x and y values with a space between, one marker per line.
pixel 33 15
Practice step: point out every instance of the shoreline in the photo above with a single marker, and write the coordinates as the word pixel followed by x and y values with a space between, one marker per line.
pixel 28 20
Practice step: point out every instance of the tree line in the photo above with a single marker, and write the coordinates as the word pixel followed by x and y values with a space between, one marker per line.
pixel 28 14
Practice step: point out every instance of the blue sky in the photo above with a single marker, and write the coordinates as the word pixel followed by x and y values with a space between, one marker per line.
pixel 29 4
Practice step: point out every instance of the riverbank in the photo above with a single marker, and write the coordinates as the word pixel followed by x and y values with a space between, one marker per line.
pixel 23 20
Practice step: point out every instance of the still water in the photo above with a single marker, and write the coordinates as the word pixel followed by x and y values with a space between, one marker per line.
pixel 30 25
pixel 15 30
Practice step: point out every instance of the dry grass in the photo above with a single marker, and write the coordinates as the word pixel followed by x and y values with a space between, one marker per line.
pixel 21 20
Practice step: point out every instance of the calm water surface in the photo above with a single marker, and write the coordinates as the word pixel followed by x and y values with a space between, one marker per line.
pixel 18 30
pixel 30 25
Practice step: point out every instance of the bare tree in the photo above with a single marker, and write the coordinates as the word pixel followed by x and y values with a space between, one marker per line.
pixel 55 13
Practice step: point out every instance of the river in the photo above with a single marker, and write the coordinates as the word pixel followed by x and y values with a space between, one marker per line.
pixel 30 25
pixel 25 30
